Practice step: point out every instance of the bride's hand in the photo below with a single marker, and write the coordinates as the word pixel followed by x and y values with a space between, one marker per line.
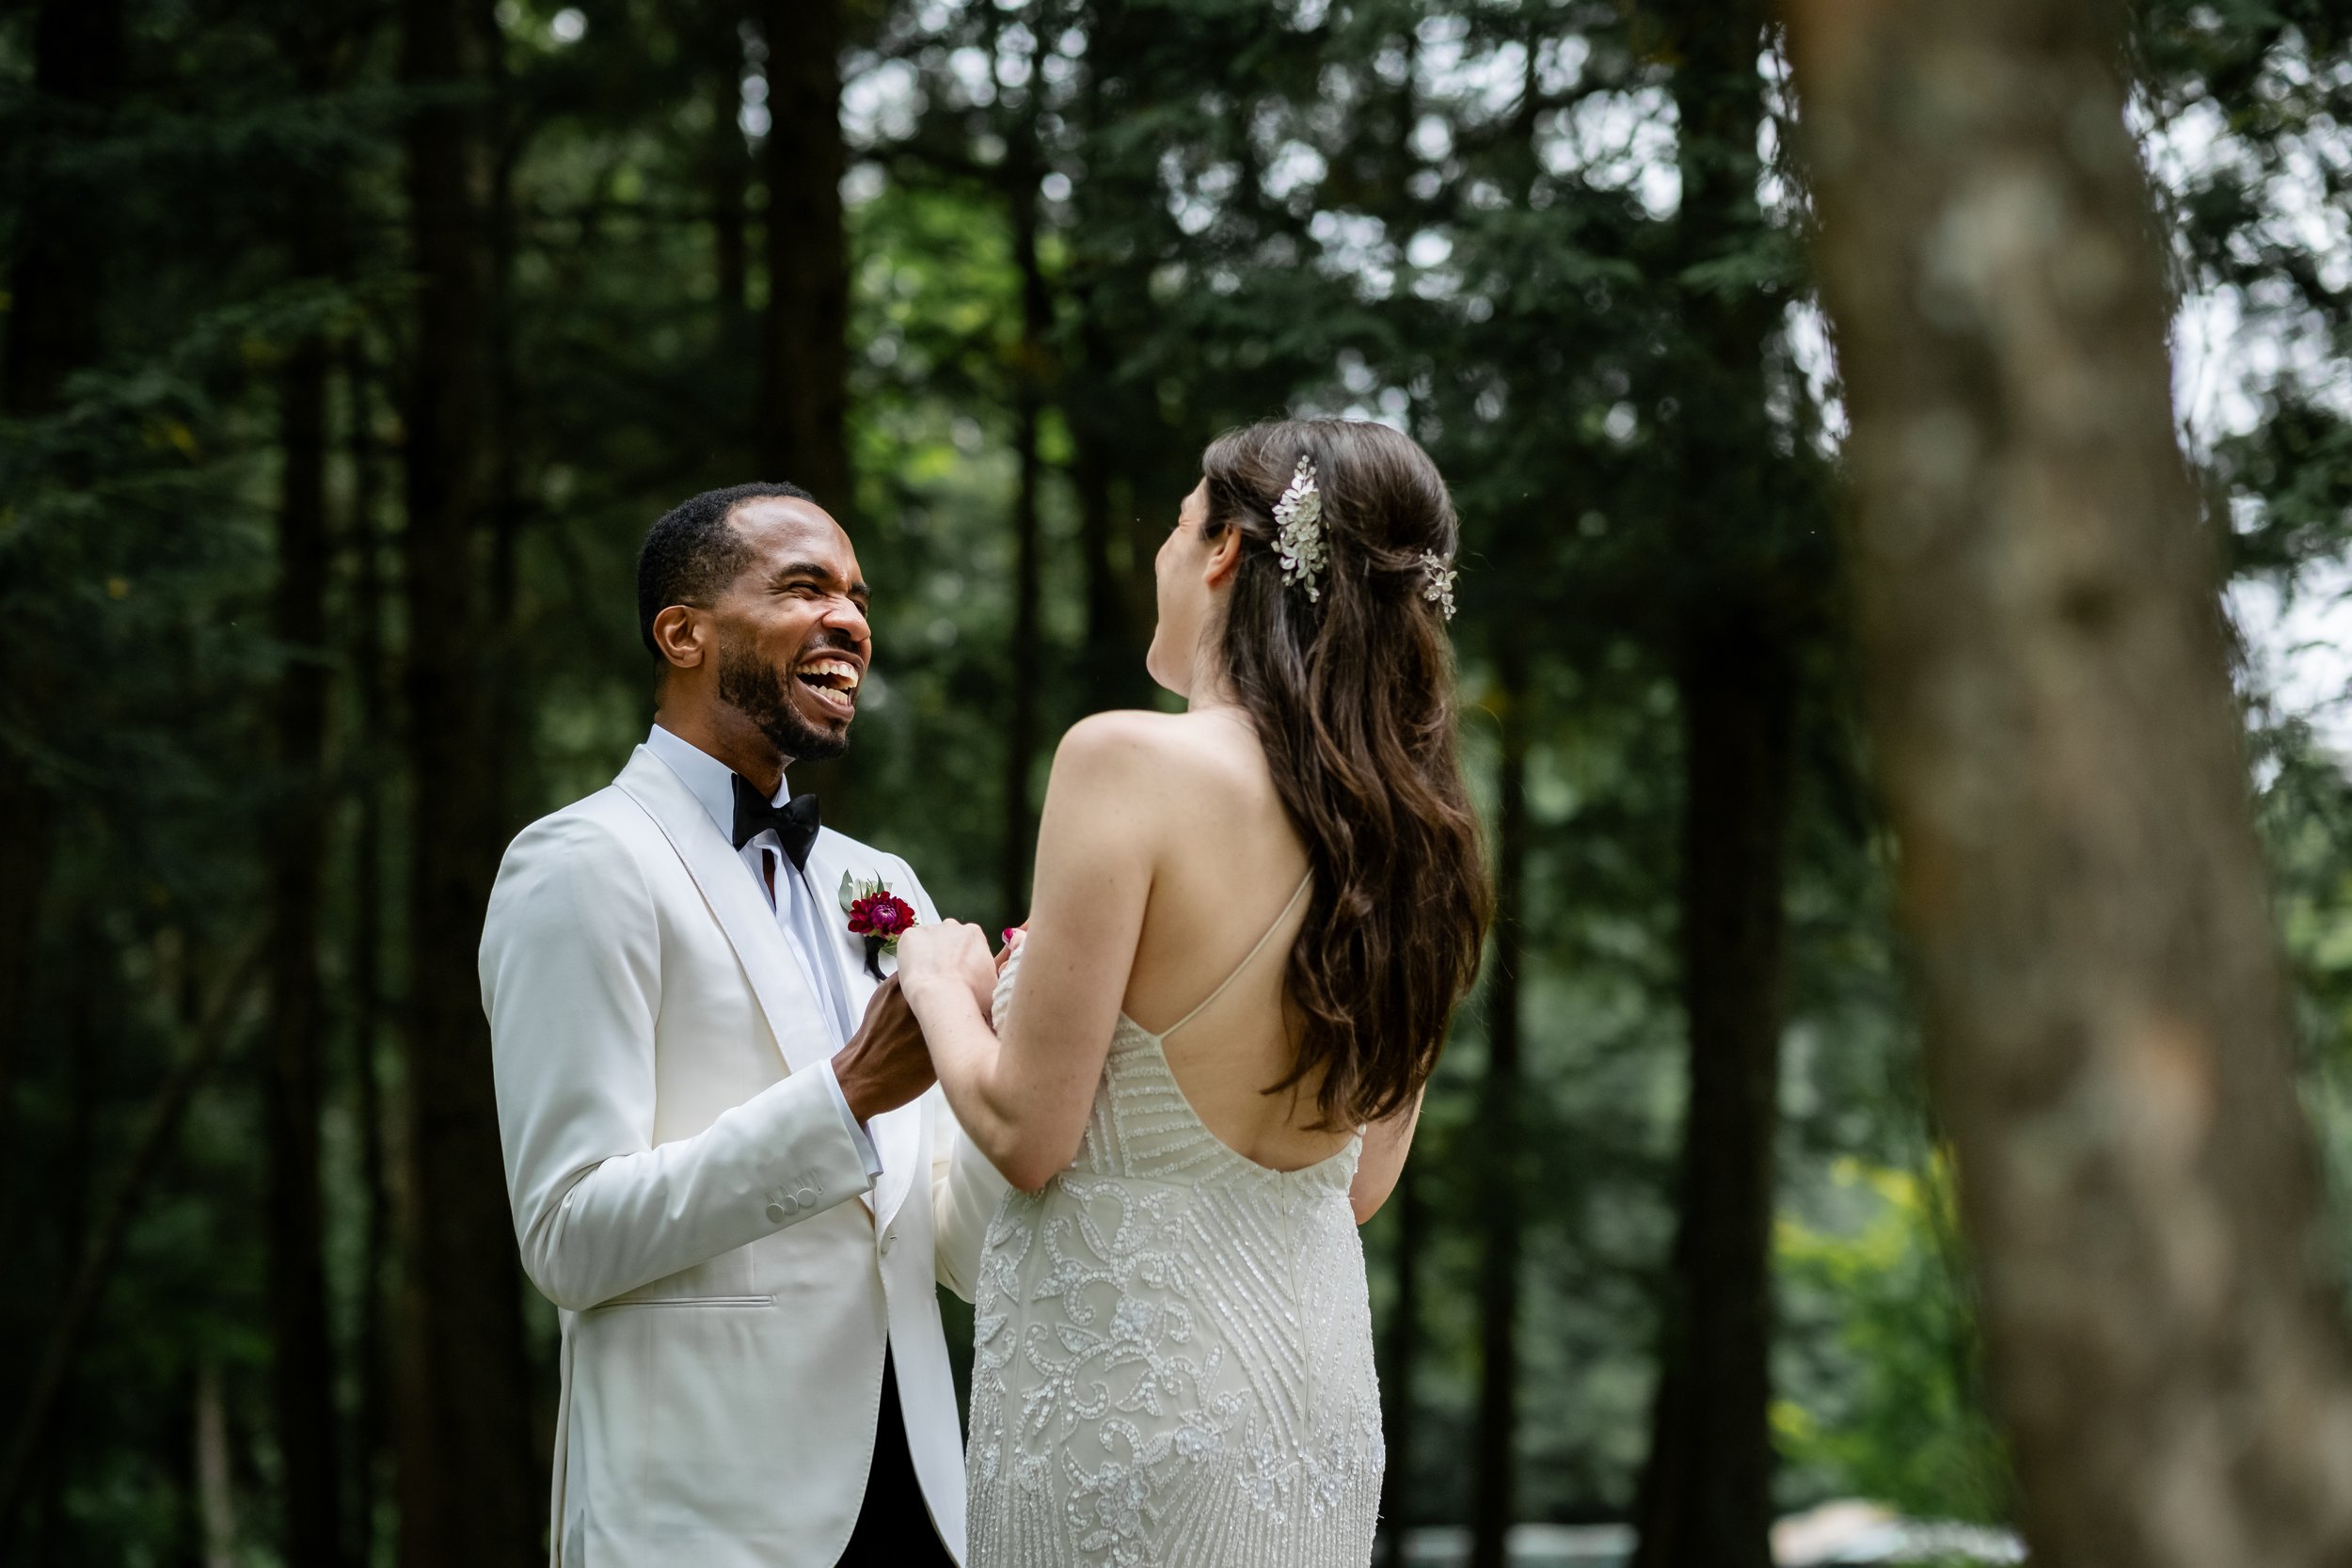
pixel 947 953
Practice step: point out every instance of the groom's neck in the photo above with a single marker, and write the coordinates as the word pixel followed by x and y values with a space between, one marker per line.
pixel 731 738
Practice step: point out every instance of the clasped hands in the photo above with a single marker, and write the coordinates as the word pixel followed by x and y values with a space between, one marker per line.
pixel 886 1065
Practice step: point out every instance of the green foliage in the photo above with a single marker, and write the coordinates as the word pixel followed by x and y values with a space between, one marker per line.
pixel 1898 1417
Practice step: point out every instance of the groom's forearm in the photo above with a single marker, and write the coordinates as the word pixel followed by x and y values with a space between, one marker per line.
pixel 631 1218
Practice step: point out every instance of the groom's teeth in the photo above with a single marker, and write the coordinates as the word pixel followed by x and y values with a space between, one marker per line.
pixel 831 670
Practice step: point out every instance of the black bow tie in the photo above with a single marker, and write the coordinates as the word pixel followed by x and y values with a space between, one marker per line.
pixel 795 821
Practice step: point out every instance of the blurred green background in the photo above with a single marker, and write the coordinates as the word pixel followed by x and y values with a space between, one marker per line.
pixel 350 349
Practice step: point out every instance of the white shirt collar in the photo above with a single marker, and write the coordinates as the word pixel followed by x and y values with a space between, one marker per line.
pixel 711 781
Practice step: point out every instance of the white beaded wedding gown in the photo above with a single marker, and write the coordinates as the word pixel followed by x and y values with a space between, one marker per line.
pixel 1173 1360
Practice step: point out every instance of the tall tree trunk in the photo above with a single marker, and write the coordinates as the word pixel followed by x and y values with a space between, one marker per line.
pixel 1705 1494
pixel 1105 617
pixel 216 1495
pixel 303 1376
pixel 1022 722
pixel 25 847
pixel 1493 1442
pixel 805 434
pixel 1097 413
pixel 34 1433
pixel 465 1432
pixel 56 288
pixel 2107 1020
pixel 372 1427
pixel 58 284
pixel 1029 376
pixel 1402 1353
pixel 727 162
pixel 1705 1498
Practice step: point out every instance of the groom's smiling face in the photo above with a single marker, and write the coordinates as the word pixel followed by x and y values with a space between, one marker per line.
pixel 792 640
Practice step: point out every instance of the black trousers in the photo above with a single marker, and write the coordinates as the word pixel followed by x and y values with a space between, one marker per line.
pixel 894 1524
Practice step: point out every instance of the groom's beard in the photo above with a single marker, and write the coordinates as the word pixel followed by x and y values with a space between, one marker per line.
pixel 761 693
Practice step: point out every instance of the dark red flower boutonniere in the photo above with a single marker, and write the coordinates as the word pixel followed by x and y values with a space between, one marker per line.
pixel 878 914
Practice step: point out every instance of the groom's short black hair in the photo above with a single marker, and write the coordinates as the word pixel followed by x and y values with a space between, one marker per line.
pixel 691 552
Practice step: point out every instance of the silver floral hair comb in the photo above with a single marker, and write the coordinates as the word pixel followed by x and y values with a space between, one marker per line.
pixel 1437 583
pixel 1300 544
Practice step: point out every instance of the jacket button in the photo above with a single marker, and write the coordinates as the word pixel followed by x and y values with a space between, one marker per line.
pixel 778 1213
pixel 889 1237
pixel 808 1195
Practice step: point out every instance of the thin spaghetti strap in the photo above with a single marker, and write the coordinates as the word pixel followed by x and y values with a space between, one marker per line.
pixel 1251 957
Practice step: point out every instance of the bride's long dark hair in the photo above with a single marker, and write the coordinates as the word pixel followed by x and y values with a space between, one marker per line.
pixel 1353 697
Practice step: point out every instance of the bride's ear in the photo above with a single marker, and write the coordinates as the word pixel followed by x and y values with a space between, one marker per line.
pixel 1224 559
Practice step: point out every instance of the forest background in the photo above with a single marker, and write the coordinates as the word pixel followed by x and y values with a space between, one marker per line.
pixel 350 349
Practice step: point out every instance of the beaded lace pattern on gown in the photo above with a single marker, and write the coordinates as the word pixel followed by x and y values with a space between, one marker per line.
pixel 1173 1347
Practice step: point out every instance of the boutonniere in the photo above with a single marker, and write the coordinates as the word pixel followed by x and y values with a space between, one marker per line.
pixel 878 914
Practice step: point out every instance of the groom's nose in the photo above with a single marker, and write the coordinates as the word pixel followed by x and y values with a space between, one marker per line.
pixel 843 615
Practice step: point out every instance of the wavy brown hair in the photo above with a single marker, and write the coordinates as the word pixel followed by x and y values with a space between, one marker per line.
pixel 1352 694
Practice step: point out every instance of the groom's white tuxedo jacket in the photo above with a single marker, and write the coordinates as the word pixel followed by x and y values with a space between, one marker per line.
pixel 686 1188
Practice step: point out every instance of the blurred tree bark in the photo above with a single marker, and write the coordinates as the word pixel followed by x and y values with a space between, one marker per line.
pixel 2107 1019
pixel 1493 1438
pixel 1705 1498
pixel 805 435
pixel 55 283
pixel 466 1462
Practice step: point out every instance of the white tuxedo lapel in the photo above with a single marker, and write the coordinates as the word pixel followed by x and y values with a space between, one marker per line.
pixel 786 996
pixel 827 858
pixel 898 1135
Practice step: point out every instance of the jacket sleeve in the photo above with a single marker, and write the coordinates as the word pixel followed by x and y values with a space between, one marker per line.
pixel 965 1188
pixel 966 1191
pixel 571 979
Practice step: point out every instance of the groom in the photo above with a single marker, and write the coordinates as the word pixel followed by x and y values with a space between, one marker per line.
pixel 729 1167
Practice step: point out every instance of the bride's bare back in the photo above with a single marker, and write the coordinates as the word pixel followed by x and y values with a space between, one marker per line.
pixel 1221 893
pixel 1164 858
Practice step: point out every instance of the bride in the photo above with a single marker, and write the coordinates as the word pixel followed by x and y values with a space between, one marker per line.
pixel 1251 923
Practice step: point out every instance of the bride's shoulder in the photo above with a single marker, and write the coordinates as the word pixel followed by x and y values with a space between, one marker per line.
pixel 1124 745
pixel 1124 732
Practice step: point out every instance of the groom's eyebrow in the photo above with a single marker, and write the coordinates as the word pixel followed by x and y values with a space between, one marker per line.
pixel 822 575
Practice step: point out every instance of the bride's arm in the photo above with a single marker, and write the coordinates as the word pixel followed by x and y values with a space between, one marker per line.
pixel 1023 1090
pixel 1386 1144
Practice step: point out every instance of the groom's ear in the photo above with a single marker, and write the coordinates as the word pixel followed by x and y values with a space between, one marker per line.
pixel 679 637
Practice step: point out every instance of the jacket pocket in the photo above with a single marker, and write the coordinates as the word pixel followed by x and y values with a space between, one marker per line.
pixel 685 1301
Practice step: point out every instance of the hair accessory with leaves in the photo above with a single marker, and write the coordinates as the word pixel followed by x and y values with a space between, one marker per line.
pixel 1300 544
pixel 1437 586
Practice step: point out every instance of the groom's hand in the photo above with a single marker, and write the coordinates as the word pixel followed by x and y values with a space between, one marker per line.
pixel 885 1065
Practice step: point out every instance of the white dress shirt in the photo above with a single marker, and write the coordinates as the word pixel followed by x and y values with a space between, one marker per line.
pixel 799 914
